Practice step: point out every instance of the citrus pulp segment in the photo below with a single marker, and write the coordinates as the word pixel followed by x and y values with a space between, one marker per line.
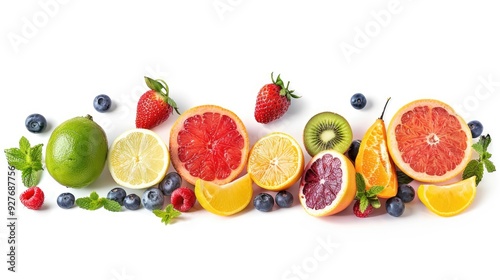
pixel 374 162
pixel 138 159
pixel 328 184
pixel 227 199
pixel 276 161
pixel 448 200
pixel 209 142
pixel 428 141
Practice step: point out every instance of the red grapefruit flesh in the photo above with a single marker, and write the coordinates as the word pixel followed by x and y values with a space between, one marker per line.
pixel 429 141
pixel 208 142
pixel 328 184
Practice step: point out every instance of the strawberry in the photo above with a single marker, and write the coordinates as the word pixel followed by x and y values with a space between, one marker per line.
pixel 154 106
pixel 366 200
pixel 273 101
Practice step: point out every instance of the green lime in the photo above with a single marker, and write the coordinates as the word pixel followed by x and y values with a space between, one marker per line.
pixel 76 152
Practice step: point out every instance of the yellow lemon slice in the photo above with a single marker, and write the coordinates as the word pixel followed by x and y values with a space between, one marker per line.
pixel 138 159
pixel 448 200
pixel 276 161
pixel 227 199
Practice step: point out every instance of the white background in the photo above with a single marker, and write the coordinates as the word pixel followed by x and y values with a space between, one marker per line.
pixel 57 56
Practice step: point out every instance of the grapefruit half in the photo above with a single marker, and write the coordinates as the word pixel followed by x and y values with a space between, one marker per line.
pixel 208 142
pixel 328 184
pixel 429 141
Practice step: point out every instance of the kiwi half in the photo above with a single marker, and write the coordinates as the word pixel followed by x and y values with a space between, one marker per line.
pixel 327 131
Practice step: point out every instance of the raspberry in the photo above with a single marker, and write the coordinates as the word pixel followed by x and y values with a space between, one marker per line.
pixel 358 213
pixel 32 198
pixel 183 199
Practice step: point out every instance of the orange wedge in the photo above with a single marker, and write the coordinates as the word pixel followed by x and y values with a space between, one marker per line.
pixel 448 200
pixel 373 160
pixel 227 199
pixel 276 161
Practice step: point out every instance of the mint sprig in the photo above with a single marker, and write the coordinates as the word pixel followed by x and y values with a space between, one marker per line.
pixel 168 214
pixel 94 202
pixel 366 197
pixel 26 159
pixel 476 167
pixel 403 178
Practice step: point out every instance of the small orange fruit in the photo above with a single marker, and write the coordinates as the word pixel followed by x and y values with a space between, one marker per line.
pixel 276 161
pixel 448 200
pixel 373 160
pixel 328 184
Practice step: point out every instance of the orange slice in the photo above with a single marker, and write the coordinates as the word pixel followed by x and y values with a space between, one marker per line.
pixel 224 200
pixel 276 161
pixel 448 200
pixel 373 160
pixel 209 142
pixel 428 141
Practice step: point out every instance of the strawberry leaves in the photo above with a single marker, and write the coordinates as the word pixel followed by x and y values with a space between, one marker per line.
pixel 161 87
pixel 476 167
pixel 284 91
pixel 366 197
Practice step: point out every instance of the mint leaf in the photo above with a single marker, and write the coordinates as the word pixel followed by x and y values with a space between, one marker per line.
pixel 111 205
pixel 90 203
pixel 360 183
pixel 490 167
pixel 375 203
pixel 26 159
pixel 363 204
pixel 403 178
pixel 373 191
pixel 36 153
pixel 24 145
pixel 16 158
pixel 84 202
pixel 473 168
pixel 94 196
pixel 476 167
pixel 30 177
pixel 168 214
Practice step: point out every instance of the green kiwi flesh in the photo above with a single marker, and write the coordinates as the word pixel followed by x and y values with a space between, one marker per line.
pixel 327 131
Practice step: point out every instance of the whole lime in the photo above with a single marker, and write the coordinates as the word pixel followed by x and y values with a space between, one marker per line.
pixel 76 152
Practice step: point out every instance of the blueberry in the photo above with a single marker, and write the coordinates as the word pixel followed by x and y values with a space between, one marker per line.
pixel 476 128
pixel 132 202
pixel 102 103
pixel 170 183
pixel 353 150
pixel 35 123
pixel 284 199
pixel 358 101
pixel 263 202
pixel 117 194
pixel 406 193
pixel 395 206
pixel 66 200
pixel 152 198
